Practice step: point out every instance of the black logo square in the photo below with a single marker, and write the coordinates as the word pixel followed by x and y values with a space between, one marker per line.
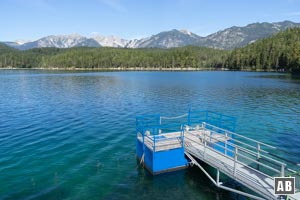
pixel 284 185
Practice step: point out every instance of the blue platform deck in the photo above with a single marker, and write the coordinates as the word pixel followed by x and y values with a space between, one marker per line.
pixel 160 140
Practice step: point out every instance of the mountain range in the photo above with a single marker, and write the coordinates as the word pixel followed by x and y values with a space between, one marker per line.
pixel 229 38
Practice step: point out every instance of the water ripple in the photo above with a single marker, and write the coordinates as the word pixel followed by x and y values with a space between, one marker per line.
pixel 71 135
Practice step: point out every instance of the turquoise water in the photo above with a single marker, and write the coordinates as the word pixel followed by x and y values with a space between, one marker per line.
pixel 71 135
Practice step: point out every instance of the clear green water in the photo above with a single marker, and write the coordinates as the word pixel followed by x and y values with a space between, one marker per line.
pixel 71 135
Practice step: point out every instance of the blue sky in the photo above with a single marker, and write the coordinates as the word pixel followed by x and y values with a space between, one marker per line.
pixel 33 19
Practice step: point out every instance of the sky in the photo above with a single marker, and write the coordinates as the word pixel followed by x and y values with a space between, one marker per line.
pixel 129 19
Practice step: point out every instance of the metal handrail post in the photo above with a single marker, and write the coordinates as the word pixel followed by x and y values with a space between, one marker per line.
pixel 235 160
pixel 258 151
pixel 153 143
pixel 182 136
pixel 204 139
pixel 204 125
pixel 225 145
pixel 258 154
pixel 282 170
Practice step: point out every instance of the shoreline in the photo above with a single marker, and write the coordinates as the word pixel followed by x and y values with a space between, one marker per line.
pixel 138 69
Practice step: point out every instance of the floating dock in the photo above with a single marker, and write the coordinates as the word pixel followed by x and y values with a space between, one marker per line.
pixel 166 144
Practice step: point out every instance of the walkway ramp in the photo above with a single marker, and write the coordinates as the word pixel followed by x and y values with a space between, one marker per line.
pixel 222 150
pixel 251 178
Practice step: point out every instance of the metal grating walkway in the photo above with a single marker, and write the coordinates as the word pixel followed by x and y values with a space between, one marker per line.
pixel 211 144
pixel 251 178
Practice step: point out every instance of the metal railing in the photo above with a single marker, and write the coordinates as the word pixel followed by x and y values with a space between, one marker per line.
pixel 215 118
pixel 246 151
pixel 236 152
pixel 156 137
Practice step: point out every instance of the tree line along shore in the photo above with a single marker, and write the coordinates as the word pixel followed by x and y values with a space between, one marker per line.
pixel 280 52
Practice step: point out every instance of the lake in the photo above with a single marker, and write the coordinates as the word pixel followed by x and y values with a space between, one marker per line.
pixel 71 135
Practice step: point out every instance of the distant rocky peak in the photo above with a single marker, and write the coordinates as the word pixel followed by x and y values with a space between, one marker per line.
pixel 185 31
pixel 110 41
pixel 229 38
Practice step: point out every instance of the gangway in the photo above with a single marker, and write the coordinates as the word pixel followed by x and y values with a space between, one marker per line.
pixel 248 163
pixel 252 163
